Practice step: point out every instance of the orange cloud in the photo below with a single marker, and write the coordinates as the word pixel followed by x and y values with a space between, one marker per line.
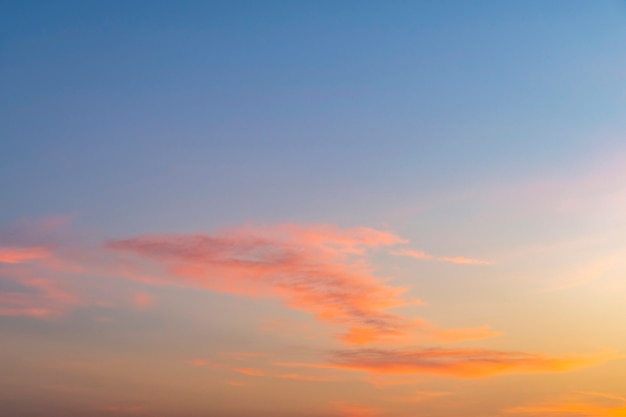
pixel 461 363
pixel 199 362
pixel 250 371
pixel 16 255
pixel 425 256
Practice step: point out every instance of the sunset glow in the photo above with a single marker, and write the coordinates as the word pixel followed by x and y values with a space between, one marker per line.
pixel 313 209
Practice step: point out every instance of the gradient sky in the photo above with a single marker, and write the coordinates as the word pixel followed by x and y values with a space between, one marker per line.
pixel 313 209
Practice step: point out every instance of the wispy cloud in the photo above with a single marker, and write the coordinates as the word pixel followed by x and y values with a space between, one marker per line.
pixel 29 285
pixel 461 363
pixel 319 269
pixel 250 371
pixel 451 259
pixel 413 254
pixel 16 255
pixel 583 404
pixel 462 260
pixel 312 268
pixel 142 301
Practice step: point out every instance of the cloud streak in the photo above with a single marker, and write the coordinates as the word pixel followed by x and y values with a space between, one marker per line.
pixel 16 255
pixel 317 269
pixel 29 285
pixel 460 363
pixel 450 259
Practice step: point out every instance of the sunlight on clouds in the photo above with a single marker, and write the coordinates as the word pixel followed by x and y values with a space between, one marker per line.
pixel 451 259
pixel 16 255
pixel 315 268
pixel 460 363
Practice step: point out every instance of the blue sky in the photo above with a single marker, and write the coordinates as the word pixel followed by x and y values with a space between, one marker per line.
pixel 230 104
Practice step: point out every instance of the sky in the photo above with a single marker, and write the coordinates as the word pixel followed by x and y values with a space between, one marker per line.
pixel 313 209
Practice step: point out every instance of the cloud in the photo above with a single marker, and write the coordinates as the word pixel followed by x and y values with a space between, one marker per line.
pixel 16 255
pixel 466 261
pixel 584 404
pixel 317 269
pixel 142 301
pixel 250 371
pixel 425 256
pixel 412 253
pixel 32 288
pixel 343 409
pixel 36 272
pixel 460 363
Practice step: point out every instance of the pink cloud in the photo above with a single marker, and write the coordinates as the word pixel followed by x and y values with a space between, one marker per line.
pixel 32 291
pixel 412 253
pixel 310 268
pixel 319 269
pixel 16 255
pixel 461 260
pixel 451 259
pixel 142 301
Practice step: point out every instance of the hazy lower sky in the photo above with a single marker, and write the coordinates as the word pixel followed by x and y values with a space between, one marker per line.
pixel 313 208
